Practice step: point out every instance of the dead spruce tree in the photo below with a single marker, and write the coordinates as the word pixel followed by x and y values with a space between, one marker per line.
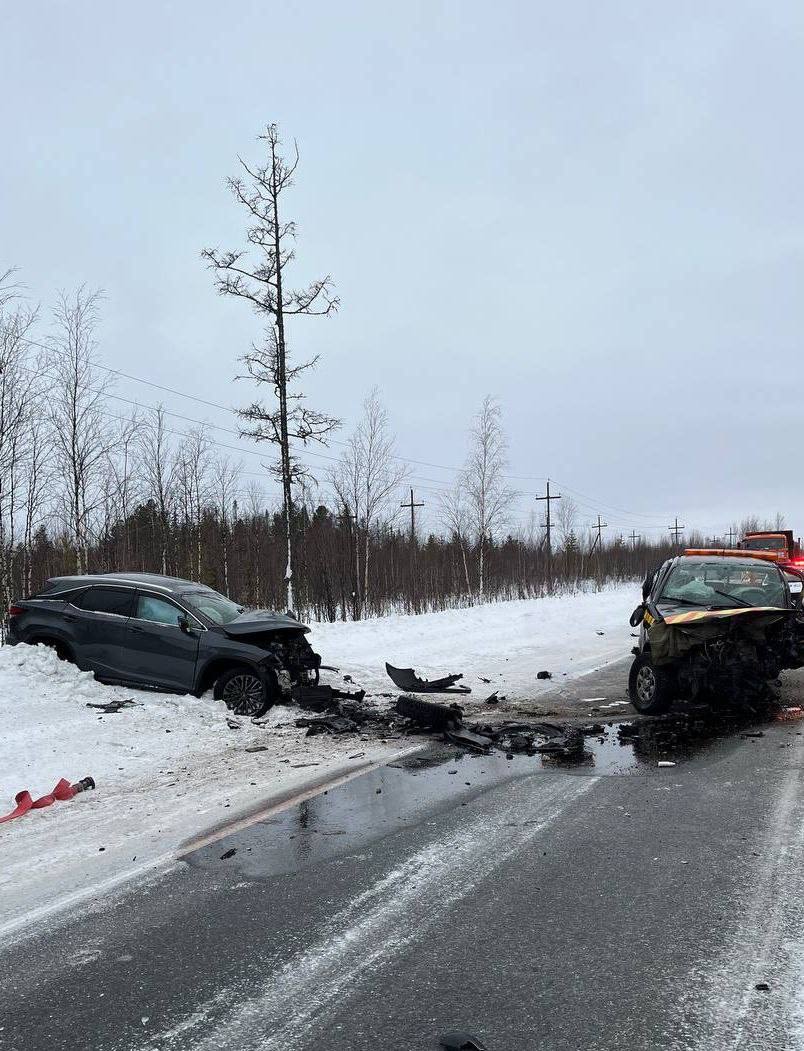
pixel 257 275
pixel 488 498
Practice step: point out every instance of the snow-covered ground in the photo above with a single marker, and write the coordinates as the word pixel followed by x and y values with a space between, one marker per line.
pixel 506 642
pixel 169 768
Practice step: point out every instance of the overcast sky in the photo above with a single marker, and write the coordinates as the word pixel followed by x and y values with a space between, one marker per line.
pixel 591 211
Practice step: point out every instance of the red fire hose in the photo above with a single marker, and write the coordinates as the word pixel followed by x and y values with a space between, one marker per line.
pixel 63 791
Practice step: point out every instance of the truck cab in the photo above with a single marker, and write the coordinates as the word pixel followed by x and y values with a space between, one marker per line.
pixel 779 542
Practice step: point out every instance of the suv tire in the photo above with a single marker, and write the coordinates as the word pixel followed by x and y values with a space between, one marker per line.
pixel 649 687
pixel 244 691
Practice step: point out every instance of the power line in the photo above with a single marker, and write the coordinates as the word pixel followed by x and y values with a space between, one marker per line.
pixel 592 502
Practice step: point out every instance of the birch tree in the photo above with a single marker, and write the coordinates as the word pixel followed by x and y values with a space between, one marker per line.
pixel 159 469
pixel 257 275
pixel 224 488
pixel 77 407
pixel 368 474
pixel 19 386
pixel 488 498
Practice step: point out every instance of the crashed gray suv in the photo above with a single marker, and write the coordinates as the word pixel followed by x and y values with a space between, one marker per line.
pixel 161 632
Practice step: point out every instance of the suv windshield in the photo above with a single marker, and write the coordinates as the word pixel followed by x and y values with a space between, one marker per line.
pixel 218 608
pixel 724 585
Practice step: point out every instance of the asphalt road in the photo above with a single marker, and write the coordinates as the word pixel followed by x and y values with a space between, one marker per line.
pixel 617 905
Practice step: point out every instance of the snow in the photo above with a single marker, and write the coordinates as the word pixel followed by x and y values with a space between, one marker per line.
pixel 506 642
pixel 169 768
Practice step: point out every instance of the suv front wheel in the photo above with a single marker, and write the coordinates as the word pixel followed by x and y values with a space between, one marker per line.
pixel 649 687
pixel 243 691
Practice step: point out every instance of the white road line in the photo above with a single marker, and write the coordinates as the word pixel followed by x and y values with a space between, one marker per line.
pixel 366 934
pixel 722 1010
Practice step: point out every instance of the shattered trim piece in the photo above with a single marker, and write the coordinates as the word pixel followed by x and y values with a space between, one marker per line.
pixel 407 679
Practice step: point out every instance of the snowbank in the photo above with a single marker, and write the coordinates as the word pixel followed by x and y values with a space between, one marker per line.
pixel 170 768
pixel 507 642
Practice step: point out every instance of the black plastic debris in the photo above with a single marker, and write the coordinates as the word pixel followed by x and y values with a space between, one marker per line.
pixel 229 854
pixel 320 698
pixel 430 713
pixel 474 741
pixel 458 1041
pixel 544 675
pixel 112 707
pixel 407 679
pixel 333 724
pixel 493 698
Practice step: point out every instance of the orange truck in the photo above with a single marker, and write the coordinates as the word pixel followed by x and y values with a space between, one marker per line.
pixel 779 543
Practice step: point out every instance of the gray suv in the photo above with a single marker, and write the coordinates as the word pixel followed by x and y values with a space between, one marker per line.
pixel 164 633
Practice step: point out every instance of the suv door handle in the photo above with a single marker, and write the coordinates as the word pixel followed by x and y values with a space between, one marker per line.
pixel 137 631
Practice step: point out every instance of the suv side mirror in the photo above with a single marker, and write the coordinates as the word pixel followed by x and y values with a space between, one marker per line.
pixel 183 623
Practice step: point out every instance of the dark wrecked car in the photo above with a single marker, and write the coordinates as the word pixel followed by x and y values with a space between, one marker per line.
pixel 161 632
pixel 714 628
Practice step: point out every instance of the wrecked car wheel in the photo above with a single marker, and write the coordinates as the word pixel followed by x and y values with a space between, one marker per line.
pixel 243 692
pixel 649 687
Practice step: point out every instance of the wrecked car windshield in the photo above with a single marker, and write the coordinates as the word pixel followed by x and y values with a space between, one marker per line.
pixel 217 607
pixel 722 585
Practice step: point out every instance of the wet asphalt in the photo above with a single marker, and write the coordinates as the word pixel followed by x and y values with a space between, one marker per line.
pixel 613 904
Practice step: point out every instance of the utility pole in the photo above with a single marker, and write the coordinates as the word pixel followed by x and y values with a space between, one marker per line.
pixel 598 539
pixel 548 522
pixel 634 537
pixel 732 537
pixel 676 530
pixel 412 505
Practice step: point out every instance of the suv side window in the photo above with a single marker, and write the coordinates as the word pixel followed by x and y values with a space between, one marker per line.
pixel 157 610
pixel 119 601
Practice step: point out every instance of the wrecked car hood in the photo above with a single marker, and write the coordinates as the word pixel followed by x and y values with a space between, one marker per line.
pixel 678 633
pixel 255 621
pixel 692 616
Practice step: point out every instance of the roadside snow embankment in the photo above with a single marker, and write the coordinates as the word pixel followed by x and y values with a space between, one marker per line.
pixel 169 767
pixel 506 642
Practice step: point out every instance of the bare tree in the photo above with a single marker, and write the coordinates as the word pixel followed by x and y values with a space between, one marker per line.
pixel 368 474
pixel 125 480
pixel 455 516
pixel 158 465
pixel 20 383
pixel 82 438
pixel 488 498
pixel 566 519
pixel 257 275
pixel 193 475
pixel 347 483
pixel 225 481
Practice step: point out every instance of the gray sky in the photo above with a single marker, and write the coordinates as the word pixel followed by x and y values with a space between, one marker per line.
pixel 591 211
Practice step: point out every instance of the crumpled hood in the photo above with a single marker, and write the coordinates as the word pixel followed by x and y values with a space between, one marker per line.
pixel 694 616
pixel 678 633
pixel 254 621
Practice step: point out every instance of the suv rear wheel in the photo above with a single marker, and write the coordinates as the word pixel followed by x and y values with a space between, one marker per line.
pixel 243 691
pixel 649 687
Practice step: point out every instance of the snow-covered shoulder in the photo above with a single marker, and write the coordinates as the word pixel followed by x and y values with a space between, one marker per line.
pixel 505 642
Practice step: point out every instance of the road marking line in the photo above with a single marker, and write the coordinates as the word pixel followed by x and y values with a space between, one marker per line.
pixel 374 927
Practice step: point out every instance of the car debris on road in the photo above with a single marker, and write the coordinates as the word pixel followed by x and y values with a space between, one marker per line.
pixel 407 679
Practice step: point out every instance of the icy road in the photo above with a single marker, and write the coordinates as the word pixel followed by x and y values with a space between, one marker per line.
pixel 614 906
